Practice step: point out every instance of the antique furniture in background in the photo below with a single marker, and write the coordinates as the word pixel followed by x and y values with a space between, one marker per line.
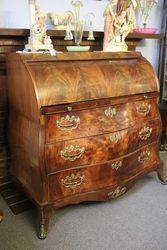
pixel 163 78
pixel 12 40
pixel 82 126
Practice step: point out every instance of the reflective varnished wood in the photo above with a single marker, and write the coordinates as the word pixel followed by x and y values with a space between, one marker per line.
pixel 82 126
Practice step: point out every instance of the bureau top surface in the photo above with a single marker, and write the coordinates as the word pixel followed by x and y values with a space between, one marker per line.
pixel 75 56
pixel 74 77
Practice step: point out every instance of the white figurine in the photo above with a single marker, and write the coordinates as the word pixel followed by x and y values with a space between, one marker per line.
pixel 119 22
pixel 38 40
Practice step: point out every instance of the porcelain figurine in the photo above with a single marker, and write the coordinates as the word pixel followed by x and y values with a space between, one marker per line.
pixel 119 22
pixel 38 40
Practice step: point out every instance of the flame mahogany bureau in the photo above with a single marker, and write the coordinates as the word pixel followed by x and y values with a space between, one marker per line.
pixel 82 126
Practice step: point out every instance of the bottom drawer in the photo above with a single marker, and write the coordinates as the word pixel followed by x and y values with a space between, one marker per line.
pixel 83 179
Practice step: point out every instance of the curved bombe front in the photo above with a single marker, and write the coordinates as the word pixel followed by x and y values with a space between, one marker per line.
pixel 82 126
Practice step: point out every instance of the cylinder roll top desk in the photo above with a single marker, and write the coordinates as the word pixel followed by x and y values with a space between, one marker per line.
pixel 82 126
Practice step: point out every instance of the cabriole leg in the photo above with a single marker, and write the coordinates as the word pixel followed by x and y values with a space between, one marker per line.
pixel 44 214
pixel 162 174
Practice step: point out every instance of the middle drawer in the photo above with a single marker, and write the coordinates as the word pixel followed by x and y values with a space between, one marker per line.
pixel 98 149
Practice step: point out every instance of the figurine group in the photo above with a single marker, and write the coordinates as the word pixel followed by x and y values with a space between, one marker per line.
pixel 119 22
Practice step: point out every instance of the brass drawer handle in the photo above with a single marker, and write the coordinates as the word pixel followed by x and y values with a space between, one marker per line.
pixel 110 112
pixel 68 123
pixel 72 153
pixel 115 137
pixel 117 192
pixel 73 181
pixel 144 156
pixel 143 109
pixel 116 165
pixel 145 133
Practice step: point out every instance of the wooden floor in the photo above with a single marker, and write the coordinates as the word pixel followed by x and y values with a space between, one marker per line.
pixel 15 198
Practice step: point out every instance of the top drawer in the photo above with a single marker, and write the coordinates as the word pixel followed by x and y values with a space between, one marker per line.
pixel 95 121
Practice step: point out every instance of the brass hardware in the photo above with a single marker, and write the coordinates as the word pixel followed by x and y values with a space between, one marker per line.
pixel 145 97
pixel 111 111
pixel 115 137
pixel 117 192
pixel 116 165
pixel 42 232
pixel 144 109
pixel 42 120
pixel 145 133
pixel 73 181
pixel 72 153
pixel 144 156
pixel 69 108
pixel 68 123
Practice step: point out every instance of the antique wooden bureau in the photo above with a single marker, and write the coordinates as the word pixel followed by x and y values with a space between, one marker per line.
pixel 82 126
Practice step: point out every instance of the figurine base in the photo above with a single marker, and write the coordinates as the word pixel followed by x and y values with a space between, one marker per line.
pixel 33 46
pixel 38 47
pixel 78 48
pixel 116 47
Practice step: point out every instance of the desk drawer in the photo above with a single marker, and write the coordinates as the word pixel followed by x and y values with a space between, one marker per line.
pixel 75 181
pixel 95 121
pixel 98 149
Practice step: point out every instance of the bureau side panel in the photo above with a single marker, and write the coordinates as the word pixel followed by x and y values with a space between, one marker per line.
pixel 21 89
pixel 23 142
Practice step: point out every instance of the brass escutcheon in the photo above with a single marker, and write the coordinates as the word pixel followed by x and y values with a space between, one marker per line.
pixel 68 123
pixel 116 165
pixel 117 192
pixel 73 181
pixel 115 137
pixel 71 153
pixel 110 112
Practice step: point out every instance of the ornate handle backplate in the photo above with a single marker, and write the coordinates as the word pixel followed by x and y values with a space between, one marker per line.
pixel 143 109
pixel 72 153
pixel 144 156
pixel 117 192
pixel 68 123
pixel 115 137
pixel 116 165
pixel 110 112
pixel 145 133
pixel 73 181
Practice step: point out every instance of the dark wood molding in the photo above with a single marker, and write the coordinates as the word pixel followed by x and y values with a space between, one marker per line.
pixel 61 33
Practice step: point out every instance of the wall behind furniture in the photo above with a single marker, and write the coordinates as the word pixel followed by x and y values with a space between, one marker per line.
pixel 15 14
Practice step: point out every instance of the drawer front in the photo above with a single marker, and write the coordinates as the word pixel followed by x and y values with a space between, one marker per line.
pixel 75 181
pixel 83 123
pixel 98 149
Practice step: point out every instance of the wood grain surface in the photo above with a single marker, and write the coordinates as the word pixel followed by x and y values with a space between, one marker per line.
pixel 82 126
